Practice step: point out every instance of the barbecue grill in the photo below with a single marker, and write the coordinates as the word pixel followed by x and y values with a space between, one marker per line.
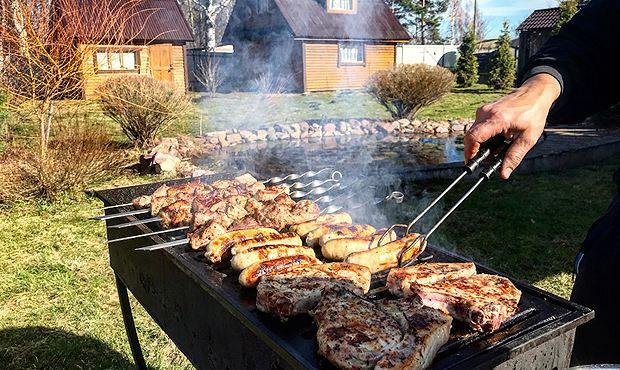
pixel 215 323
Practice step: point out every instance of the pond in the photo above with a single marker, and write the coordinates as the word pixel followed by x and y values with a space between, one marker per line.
pixel 361 155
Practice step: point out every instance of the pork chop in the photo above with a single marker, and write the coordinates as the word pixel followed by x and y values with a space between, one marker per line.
pixel 399 280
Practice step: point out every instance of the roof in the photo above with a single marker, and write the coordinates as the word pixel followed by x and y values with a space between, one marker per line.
pixel 541 19
pixel 373 21
pixel 148 20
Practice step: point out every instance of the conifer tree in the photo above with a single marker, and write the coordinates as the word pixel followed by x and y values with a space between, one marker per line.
pixel 467 65
pixel 503 66
pixel 568 8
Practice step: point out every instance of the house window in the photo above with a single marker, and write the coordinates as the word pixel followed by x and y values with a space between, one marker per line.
pixel 110 61
pixel 351 53
pixel 342 6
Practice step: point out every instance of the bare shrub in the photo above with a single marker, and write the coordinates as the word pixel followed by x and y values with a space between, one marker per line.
pixel 407 88
pixel 79 155
pixel 271 83
pixel 142 106
pixel 208 75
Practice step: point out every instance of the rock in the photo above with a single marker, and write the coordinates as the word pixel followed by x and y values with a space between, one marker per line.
pixel 342 126
pixel 271 131
pixel 329 128
pixel 329 133
pixel 295 135
pixel 214 140
pixel 355 123
pixel 262 134
pixel 246 135
pixel 234 138
pixel 296 127
pixel 272 137
pixel 315 134
pixel 385 127
pixel 282 135
pixel 280 127
pixel 304 126
pixel 357 131
pixel 442 130
pixel 458 128
pixel 416 123
pixel 403 122
pixel 166 162
pixel 222 141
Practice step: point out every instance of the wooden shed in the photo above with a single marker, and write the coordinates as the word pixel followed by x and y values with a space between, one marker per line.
pixel 312 45
pixel 153 45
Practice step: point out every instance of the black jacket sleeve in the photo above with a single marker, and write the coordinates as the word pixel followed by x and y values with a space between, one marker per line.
pixel 585 58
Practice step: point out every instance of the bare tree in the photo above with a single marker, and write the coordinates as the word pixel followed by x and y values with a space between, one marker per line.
pixel 207 73
pixel 44 47
pixel 462 19
pixel 205 19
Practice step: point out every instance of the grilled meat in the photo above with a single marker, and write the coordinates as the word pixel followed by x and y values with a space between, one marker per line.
pixel 142 201
pixel 339 249
pixel 303 211
pixel 178 213
pixel 302 229
pixel 399 280
pixel 298 290
pixel 481 301
pixel 247 222
pixel 250 276
pixel 220 245
pixel 270 193
pixel 386 256
pixel 424 330
pixel 250 256
pixel 312 237
pixel 353 231
pixel 352 332
pixel 262 240
pixel 201 237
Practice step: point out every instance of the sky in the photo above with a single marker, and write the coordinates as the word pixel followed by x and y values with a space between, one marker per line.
pixel 496 11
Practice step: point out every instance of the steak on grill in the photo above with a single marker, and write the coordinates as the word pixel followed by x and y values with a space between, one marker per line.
pixel 399 280
pixel 298 290
pixel 424 329
pixel 481 301
pixel 354 333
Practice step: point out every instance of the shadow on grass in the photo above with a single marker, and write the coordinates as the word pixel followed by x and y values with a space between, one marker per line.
pixel 480 91
pixel 47 348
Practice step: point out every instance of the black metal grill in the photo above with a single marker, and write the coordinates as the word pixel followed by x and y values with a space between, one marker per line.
pixel 215 323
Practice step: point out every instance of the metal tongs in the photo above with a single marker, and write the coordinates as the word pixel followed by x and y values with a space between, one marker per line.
pixel 493 151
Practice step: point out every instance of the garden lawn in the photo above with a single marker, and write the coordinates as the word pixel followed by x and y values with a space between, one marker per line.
pixel 58 302
pixel 461 103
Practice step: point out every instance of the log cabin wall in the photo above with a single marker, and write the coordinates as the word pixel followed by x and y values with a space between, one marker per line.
pixel 94 76
pixel 323 72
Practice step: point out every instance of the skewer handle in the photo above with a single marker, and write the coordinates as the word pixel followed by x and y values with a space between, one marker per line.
pixel 494 145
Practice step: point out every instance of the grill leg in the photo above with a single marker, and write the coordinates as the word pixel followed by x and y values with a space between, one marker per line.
pixel 130 326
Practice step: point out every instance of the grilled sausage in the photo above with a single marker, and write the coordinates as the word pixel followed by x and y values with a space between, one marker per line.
pixel 219 245
pixel 250 276
pixel 386 256
pixel 336 218
pixel 353 231
pixel 339 249
pixel 284 239
pixel 312 238
pixel 250 256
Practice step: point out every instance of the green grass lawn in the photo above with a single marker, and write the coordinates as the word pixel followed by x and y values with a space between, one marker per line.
pixel 58 303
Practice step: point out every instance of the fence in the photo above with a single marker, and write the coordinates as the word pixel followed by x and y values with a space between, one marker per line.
pixel 442 55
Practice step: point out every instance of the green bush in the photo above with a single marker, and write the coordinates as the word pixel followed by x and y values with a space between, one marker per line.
pixel 503 66
pixel 467 65
pixel 408 87
pixel 142 106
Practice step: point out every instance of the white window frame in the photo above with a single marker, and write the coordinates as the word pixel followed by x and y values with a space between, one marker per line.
pixel 341 5
pixel 351 54
pixel 116 55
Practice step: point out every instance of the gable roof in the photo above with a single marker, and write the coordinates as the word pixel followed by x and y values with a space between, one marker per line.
pixel 541 19
pixel 374 21
pixel 149 20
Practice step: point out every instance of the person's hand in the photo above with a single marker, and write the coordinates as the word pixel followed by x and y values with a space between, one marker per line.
pixel 519 116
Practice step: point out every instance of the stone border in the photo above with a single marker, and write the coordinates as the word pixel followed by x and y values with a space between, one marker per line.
pixel 304 130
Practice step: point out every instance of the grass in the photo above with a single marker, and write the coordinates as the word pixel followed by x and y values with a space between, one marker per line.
pixel 461 103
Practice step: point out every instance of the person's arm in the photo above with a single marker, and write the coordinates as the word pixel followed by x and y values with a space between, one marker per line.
pixel 570 78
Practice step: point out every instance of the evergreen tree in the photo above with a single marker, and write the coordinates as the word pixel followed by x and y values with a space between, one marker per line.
pixel 422 17
pixel 568 8
pixel 467 65
pixel 503 66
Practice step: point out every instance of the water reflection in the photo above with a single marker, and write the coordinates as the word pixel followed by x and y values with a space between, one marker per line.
pixel 363 155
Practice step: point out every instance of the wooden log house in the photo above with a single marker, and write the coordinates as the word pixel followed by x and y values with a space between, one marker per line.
pixel 153 45
pixel 312 45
